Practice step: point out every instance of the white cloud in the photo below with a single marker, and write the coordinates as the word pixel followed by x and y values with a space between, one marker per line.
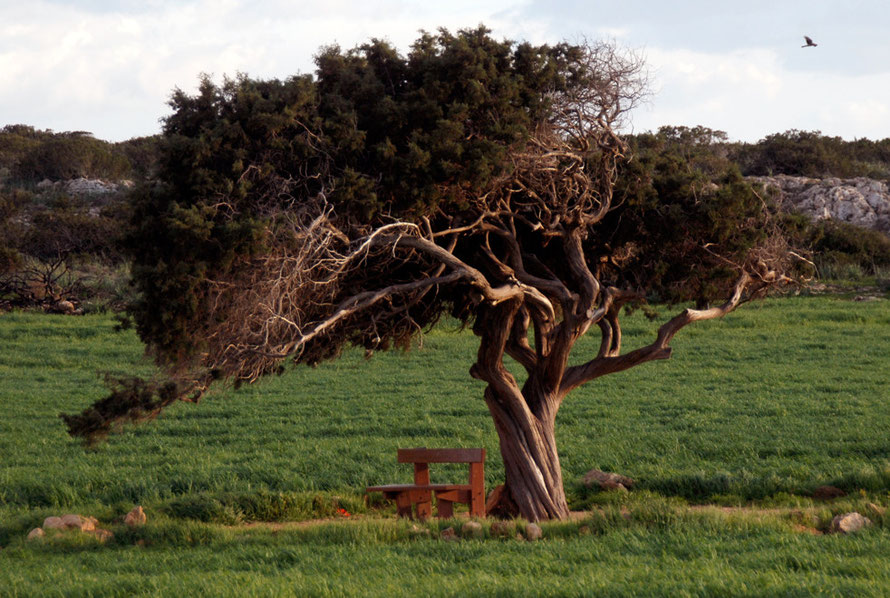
pixel 77 64
pixel 753 93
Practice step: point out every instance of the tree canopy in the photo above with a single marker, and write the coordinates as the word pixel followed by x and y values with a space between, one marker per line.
pixel 471 177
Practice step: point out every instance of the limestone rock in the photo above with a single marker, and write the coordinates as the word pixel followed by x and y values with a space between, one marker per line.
pixel 606 480
pixel 136 517
pixel 53 523
pixel 84 186
pixel 533 532
pixel 84 524
pixel 848 523
pixel 860 201
pixel 36 534
pixel 471 529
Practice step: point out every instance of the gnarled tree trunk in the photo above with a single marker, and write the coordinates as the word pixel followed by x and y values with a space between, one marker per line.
pixel 531 462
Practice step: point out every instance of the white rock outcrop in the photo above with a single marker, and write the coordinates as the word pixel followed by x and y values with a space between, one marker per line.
pixel 860 201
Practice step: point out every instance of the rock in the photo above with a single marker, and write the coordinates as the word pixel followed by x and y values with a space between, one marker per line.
pixel 471 529
pixel 136 517
pixel 849 523
pixel 84 186
pixel 36 534
pixel 875 510
pixel 84 524
pixel 606 480
pixel 828 493
pixel 53 523
pixel 533 532
pixel 503 529
pixel 449 535
pixel 860 201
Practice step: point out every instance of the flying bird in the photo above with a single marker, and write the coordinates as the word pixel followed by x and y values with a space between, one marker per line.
pixel 809 42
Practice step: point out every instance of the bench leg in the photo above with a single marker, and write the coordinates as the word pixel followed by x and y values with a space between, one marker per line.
pixel 424 509
pixel 445 508
pixel 403 505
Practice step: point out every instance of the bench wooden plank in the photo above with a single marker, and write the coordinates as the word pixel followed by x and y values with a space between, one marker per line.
pixel 425 455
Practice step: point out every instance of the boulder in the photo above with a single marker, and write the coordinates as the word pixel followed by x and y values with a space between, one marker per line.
pixel 533 532
pixel 53 523
pixel 848 523
pixel 606 480
pixel 136 517
pixel 84 524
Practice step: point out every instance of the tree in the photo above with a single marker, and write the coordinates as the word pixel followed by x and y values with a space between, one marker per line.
pixel 473 177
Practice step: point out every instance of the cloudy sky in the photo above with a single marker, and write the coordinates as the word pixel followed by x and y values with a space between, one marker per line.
pixel 108 66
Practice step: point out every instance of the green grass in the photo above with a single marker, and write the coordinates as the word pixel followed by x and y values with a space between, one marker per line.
pixel 760 407
pixel 781 396
pixel 698 556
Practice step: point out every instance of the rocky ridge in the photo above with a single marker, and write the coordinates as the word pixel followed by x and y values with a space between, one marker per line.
pixel 860 201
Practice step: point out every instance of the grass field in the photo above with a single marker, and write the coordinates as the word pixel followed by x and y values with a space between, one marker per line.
pixel 756 409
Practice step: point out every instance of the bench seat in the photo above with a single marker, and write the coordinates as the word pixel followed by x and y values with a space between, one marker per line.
pixel 420 493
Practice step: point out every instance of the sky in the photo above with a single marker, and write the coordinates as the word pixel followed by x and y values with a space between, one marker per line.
pixel 109 66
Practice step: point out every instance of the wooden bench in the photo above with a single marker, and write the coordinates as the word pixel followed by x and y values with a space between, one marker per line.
pixel 420 492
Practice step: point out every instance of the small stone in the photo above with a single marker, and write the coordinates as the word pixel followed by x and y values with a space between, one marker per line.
pixel 136 517
pixel 503 529
pixel 449 535
pixel 53 523
pixel 533 532
pixel 72 521
pixel 828 493
pixel 471 529
pixel 875 510
pixel 849 523
pixel 36 534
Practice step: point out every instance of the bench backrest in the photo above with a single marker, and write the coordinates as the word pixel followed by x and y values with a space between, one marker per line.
pixel 457 455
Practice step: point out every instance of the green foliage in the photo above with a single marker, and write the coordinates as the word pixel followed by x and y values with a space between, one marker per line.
pixel 32 155
pixel 380 134
pixel 838 244
pixel 811 154
pixel 682 202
